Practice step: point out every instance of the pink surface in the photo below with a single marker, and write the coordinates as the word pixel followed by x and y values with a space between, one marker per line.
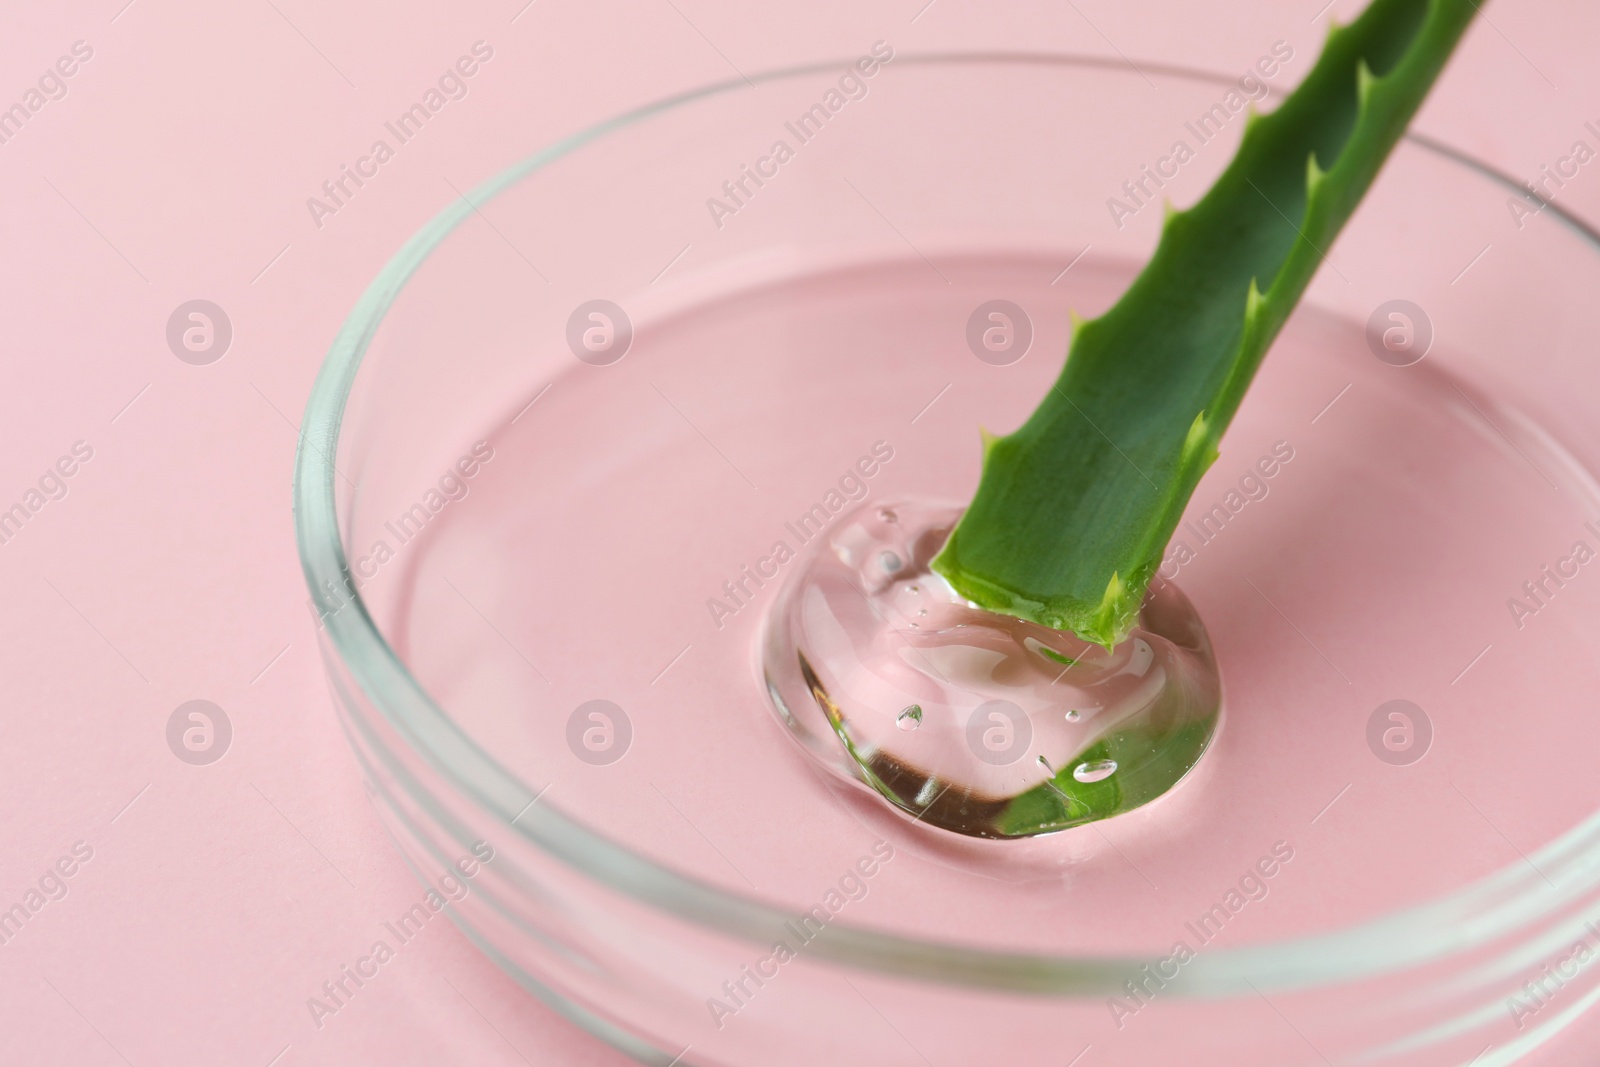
pixel 177 165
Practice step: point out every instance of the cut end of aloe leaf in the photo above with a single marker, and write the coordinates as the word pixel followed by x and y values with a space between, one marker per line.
pixel 1104 622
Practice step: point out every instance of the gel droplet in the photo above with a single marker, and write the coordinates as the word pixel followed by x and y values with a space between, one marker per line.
pixel 851 649
pixel 891 562
pixel 1097 770
pixel 887 515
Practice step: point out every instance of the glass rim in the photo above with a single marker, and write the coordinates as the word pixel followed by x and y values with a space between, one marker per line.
pixel 1409 937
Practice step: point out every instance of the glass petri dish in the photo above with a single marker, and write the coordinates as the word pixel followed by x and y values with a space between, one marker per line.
pixel 585 403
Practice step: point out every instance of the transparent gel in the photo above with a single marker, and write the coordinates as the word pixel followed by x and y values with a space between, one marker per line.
pixel 968 720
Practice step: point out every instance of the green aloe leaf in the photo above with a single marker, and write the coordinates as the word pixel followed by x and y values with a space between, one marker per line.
pixel 1074 509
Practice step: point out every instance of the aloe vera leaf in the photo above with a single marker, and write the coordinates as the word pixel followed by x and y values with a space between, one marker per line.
pixel 1074 510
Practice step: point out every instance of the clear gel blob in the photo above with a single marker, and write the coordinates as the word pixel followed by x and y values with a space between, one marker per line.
pixel 972 721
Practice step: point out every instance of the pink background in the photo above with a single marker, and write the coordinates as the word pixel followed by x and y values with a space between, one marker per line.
pixel 177 167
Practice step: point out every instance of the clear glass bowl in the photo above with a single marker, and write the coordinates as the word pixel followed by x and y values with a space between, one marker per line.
pixel 514 517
